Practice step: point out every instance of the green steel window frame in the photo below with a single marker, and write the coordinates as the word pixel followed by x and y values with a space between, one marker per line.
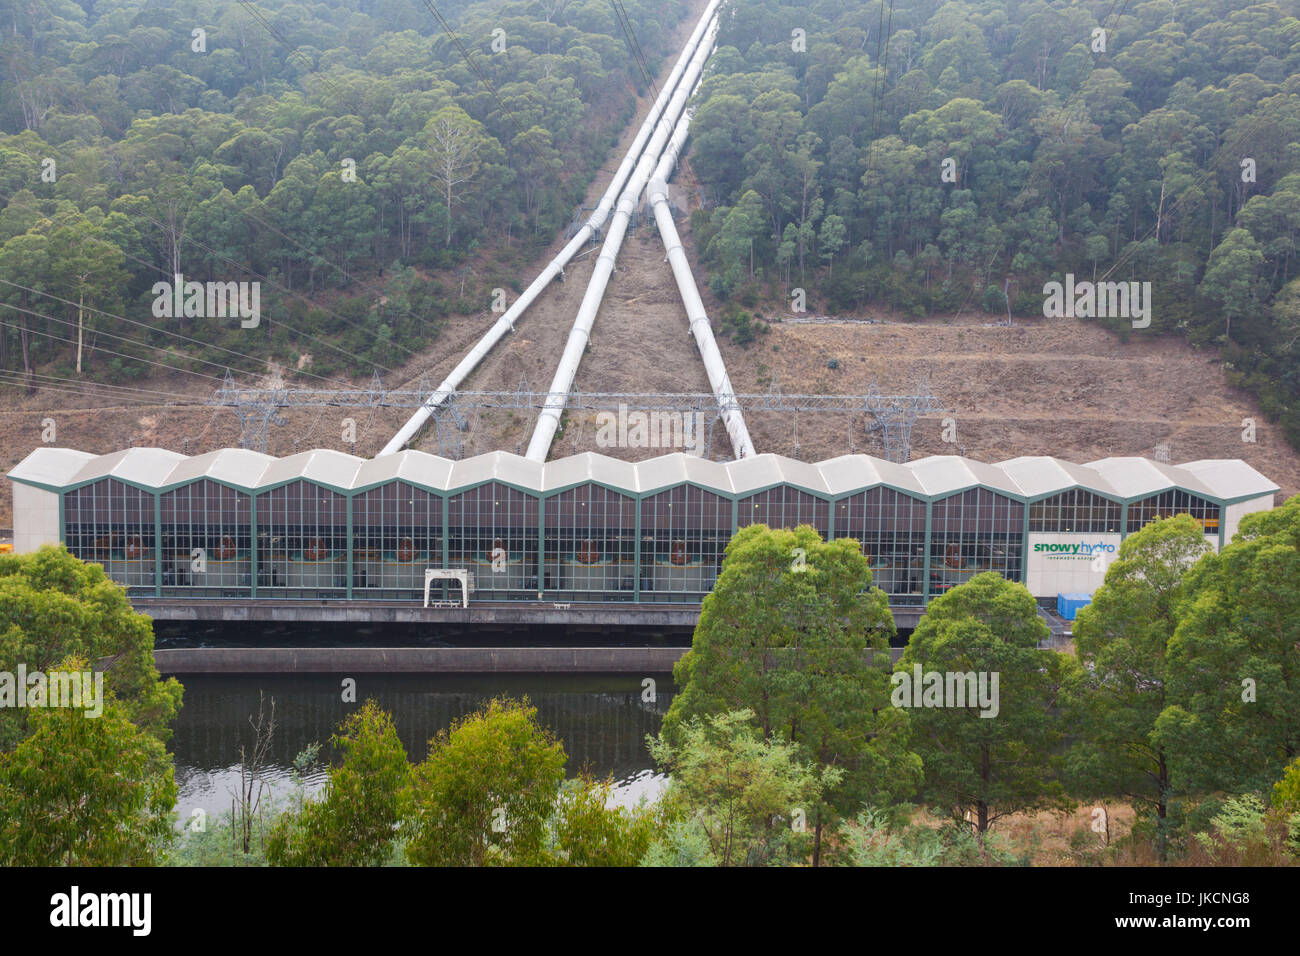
pixel 843 498
pixel 634 497
pixel 153 493
pixel 638 497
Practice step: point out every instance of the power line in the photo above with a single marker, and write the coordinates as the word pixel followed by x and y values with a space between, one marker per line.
pixel 467 55
pixel 68 394
pixel 877 102
pixel 99 348
pixel 342 270
pixel 91 384
pixel 144 325
pixel 39 381
pixel 254 272
pixel 620 14
pixel 292 50
pixel 156 328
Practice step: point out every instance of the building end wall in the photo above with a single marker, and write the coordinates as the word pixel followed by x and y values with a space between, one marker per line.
pixel 36 518
pixel 1233 514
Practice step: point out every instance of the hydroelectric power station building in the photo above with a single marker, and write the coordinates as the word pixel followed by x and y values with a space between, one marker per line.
pixel 323 526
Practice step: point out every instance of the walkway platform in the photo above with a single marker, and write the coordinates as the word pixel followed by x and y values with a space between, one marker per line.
pixel 486 614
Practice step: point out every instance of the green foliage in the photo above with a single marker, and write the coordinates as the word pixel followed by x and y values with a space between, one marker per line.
pixel 1234 659
pixel 983 768
pixel 681 843
pixel 794 630
pixel 1118 698
pixel 371 142
pixel 748 794
pixel 590 830
pixel 1286 792
pixel 52 607
pixel 484 793
pixel 354 822
pixel 740 325
pixel 1123 163
pixel 874 839
pixel 85 790
pixel 219 843
pixel 1244 832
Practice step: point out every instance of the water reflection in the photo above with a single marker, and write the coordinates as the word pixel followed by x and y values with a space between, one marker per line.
pixel 601 720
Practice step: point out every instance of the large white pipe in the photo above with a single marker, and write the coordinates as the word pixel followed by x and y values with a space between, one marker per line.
pixel 557 397
pixel 657 194
pixel 556 265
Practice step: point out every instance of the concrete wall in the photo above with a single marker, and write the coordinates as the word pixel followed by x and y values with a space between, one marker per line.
pixel 36 518
pixel 1049 572
pixel 479 614
pixel 1233 514
pixel 438 660
pixel 346 661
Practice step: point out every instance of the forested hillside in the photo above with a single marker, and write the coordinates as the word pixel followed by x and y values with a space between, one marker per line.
pixel 374 172
pixel 939 157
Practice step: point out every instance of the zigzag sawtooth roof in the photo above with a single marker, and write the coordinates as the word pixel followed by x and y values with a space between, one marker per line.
pixel 932 477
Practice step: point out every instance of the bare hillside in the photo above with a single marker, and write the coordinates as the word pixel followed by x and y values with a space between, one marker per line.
pixel 1051 387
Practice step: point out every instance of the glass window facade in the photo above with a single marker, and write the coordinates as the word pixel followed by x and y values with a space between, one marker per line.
pixel 1075 510
pixel 206 541
pixel 492 532
pixel 785 507
pixel 684 532
pixel 1170 503
pixel 590 545
pixel 396 534
pixel 302 541
pixel 587 543
pixel 111 523
pixel 890 526
pixel 973 531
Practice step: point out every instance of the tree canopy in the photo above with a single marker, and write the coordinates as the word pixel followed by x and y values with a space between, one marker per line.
pixel 932 151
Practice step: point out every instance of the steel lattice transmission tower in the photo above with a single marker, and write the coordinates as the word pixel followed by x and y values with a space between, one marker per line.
pixel 896 414
pixel 258 409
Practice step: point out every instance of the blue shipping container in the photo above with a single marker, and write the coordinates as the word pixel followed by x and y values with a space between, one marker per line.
pixel 1067 605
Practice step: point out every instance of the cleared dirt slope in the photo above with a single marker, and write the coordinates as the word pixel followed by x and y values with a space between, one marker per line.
pixel 1052 387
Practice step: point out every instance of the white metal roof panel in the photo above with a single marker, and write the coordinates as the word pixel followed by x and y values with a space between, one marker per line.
pixel 234 466
pixel 656 474
pixel 1043 475
pixel 589 466
pixel 50 466
pixel 148 467
pixel 1133 477
pixel 416 467
pixel 1030 476
pixel 496 466
pixel 849 473
pixel 762 471
pixel 321 465
pixel 945 474
pixel 1230 478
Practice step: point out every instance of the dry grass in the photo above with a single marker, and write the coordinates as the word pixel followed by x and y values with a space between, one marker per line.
pixel 1044 387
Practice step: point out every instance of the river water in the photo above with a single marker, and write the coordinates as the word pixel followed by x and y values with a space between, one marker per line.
pixel 602 721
